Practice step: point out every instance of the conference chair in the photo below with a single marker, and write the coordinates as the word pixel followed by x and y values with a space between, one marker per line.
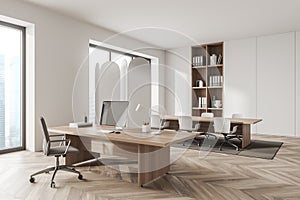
pixel 208 132
pixel 210 128
pixel 237 115
pixel 158 123
pixel 186 124
pixel 222 126
pixel 57 151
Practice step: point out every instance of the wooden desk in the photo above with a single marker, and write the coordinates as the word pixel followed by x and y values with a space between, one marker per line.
pixel 244 125
pixel 151 151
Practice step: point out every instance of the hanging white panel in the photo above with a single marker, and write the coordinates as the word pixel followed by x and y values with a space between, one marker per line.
pixel 139 92
pixel 107 85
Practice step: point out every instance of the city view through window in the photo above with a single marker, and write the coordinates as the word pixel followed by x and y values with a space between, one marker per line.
pixel 10 87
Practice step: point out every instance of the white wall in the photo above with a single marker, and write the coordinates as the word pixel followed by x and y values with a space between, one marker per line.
pixel 178 81
pixel 261 80
pixel 240 90
pixel 276 84
pixel 61 48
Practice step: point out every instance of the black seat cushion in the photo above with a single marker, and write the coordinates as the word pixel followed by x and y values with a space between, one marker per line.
pixel 59 150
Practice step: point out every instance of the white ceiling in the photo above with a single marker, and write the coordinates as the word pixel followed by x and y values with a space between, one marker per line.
pixel 176 23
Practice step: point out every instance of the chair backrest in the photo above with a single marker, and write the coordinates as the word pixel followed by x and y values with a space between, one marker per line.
pixel 185 123
pixel 155 121
pixel 45 129
pixel 221 125
pixel 226 126
pixel 237 115
pixel 46 145
pixel 206 114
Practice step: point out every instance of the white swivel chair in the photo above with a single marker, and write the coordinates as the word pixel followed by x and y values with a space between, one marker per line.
pixel 207 114
pixel 186 124
pixel 210 128
pixel 208 132
pixel 222 126
pixel 237 115
pixel 157 123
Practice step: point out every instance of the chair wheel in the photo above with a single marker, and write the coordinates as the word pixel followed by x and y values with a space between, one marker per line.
pixel 80 177
pixel 31 180
pixel 52 185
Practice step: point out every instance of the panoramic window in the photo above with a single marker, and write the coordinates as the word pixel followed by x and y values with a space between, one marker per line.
pixel 11 93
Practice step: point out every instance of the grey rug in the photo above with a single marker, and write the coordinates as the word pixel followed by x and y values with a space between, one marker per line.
pixel 257 148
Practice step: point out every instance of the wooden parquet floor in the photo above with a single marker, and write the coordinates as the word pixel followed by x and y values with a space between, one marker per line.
pixel 216 176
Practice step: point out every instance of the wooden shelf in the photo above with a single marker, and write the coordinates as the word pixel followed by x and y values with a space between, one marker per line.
pixel 197 108
pixel 199 88
pixel 214 108
pixel 199 67
pixel 208 74
pixel 215 87
pixel 218 65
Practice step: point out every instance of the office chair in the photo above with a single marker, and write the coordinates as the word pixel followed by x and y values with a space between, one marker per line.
pixel 210 129
pixel 56 151
pixel 157 123
pixel 237 115
pixel 186 124
pixel 222 126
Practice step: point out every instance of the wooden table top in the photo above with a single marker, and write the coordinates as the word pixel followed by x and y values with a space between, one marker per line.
pixel 208 119
pixel 130 135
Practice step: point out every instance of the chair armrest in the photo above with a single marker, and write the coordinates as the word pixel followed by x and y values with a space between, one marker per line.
pixel 234 129
pixel 61 141
pixel 57 135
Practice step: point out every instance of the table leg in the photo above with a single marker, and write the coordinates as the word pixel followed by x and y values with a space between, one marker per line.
pixel 152 162
pixel 82 155
pixel 246 140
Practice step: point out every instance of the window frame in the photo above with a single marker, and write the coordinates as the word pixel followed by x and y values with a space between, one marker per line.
pixel 22 88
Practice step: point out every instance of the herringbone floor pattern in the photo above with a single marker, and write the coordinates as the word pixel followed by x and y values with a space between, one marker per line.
pixel 217 176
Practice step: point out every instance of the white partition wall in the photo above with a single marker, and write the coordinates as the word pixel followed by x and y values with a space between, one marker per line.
pixel 107 85
pixel 276 84
pixel 297 84
pixel 139 91
pixel 240 77
pixel 178 81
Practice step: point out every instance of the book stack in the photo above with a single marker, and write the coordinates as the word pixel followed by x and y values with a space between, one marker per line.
pixel 198 61
pixel 202 102
pixel 215 80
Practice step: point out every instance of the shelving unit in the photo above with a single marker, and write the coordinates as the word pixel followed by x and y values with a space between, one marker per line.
pixel 209 71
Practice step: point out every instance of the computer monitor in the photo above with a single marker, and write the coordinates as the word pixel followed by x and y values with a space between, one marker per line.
pixel 114 113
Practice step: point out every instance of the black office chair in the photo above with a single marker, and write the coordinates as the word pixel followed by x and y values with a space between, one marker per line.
pixel 56 151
